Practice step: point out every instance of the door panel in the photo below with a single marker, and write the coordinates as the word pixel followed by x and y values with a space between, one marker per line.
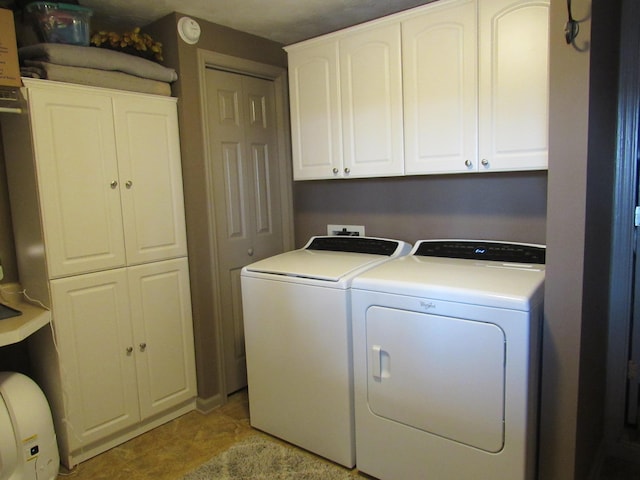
pixel 74 143
pixel 246 194
pixel 440 89
pixel 93 328
pixel 514 84
pixel 163 330
pixel 371 90
pixel 150 178
pixel 443 375
pixel 316 132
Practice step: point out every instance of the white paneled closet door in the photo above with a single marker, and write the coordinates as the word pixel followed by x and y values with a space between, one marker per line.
pixel 244 169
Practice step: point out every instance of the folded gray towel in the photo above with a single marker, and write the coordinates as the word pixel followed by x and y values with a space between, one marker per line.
pixel 96 77
pixel 97 58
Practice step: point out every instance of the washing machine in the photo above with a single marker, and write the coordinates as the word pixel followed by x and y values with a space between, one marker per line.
pixel 446 362
pixel 297 326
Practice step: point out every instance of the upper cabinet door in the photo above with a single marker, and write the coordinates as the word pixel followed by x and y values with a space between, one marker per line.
pixel 150 178
pixel 371 92
pixel 514 84
pixel 77 172
pixel 440 89
pixel 316 132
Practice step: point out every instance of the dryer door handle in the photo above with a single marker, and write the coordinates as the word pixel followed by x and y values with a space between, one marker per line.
pixel 376 363
pixel 379 363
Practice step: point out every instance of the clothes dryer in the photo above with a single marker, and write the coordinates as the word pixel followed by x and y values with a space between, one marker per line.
pixel 297 326
pixel 446 362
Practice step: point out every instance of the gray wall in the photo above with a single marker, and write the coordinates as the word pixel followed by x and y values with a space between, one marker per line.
pixel 497 206
pixel 582 158
pixel 184 58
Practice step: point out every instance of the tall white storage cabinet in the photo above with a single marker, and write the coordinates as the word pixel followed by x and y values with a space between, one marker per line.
pixel 96 196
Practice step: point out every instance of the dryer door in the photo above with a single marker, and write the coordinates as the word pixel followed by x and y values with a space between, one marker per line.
pixel 443 375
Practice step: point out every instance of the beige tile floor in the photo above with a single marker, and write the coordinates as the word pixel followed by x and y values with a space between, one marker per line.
pixel 171 450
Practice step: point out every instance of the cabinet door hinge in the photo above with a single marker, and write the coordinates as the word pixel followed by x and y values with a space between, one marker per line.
pixel 632 370
pixel 636 217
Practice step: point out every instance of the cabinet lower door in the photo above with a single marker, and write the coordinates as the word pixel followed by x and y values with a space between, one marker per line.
pixel 94 339
pixel 163 329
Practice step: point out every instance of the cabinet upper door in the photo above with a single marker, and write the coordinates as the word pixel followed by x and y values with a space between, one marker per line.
pixel 440 88
pixel 74 146
pixel 163 331
pixel 371 100
pixel 316 133
pixel 149 163
pixel 514 84
pixel 95 345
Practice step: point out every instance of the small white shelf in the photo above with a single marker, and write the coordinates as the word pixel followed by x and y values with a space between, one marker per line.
pixel 16 329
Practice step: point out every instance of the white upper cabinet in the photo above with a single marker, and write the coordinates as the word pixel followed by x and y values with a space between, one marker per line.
pixel 371 90
pixel 346 105
pixel 513 49
pixel 109 178
pixel 316 132
pixel 450 87
pixel 440 88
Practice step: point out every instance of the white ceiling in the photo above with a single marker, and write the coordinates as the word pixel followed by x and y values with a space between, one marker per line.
pixel 284 21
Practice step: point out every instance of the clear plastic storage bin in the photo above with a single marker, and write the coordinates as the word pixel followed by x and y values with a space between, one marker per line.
pixel 60 22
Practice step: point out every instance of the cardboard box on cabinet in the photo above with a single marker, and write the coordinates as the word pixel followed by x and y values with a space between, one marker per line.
pixel 9 66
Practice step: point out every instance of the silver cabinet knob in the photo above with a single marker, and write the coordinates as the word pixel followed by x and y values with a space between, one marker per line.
pixel 114 184
pixel 143 346
pixel 347 170
pixel 335 170
pixel 484 162
pixel 250 252
pixel 467 163
pixel 129 350
pixel 128 184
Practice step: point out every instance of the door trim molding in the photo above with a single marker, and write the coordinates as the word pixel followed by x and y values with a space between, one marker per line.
pixel 210 59
pixel 624 202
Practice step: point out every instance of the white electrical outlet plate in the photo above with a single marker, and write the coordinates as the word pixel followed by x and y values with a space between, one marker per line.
pixel 349 230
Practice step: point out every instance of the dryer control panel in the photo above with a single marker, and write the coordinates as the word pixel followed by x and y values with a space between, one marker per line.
pixel 481 250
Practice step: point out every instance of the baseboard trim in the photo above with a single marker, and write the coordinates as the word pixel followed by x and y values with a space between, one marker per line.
pixel 207 405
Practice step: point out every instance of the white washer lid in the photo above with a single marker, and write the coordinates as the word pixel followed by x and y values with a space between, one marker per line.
pixel 316 264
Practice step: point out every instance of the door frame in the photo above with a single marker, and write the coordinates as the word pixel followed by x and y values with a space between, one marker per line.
pixel 209 59
pixel 624 232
